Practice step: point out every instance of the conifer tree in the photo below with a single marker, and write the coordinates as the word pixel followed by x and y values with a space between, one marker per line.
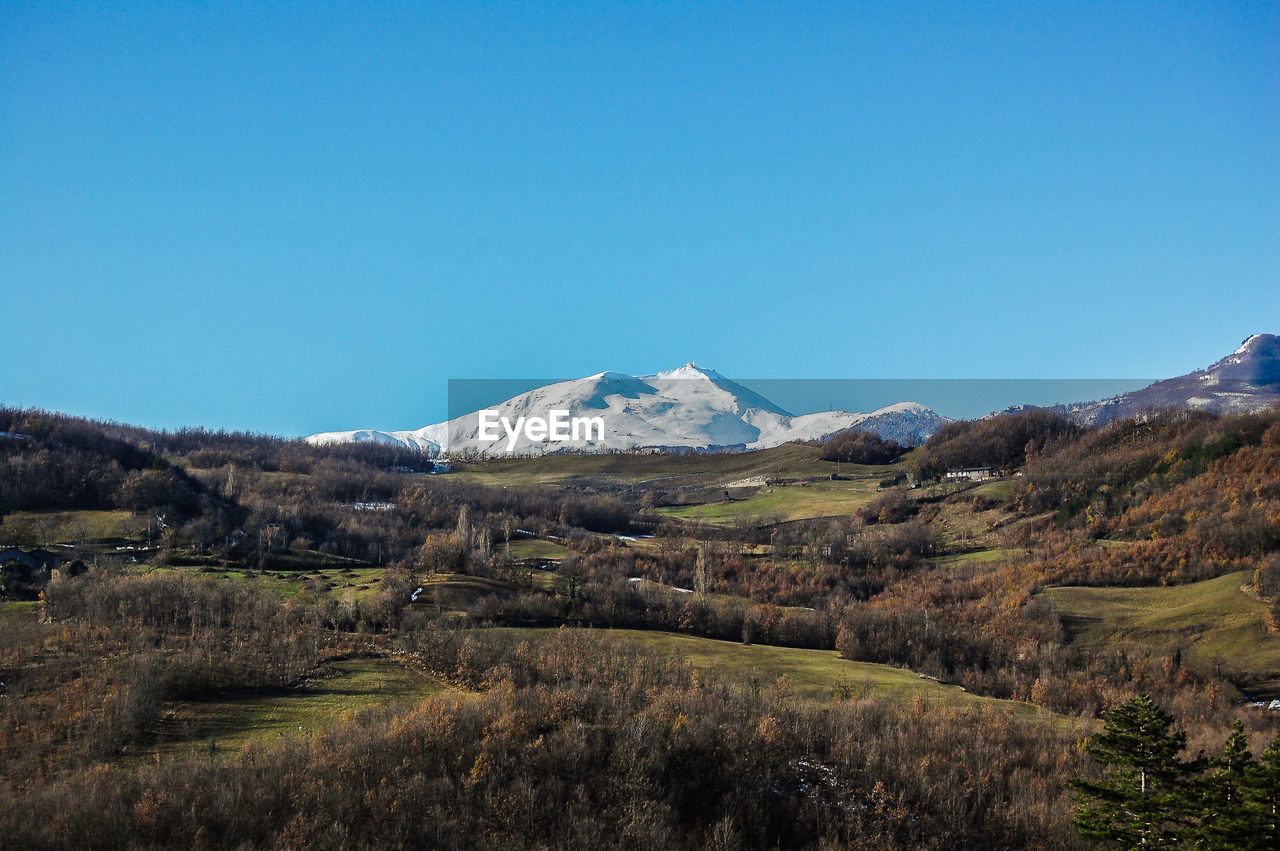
pixel 1263 791
pixel 1226 819
pixel 1143 798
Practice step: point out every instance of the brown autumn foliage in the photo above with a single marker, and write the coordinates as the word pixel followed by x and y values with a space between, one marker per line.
pixel 573 736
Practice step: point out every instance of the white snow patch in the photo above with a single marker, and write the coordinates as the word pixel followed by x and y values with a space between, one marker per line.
pixel 370 506
pixel 753 481
pixel 1244 347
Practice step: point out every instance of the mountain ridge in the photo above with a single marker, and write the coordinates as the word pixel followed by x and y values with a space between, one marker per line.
pixel 681 409
pixel 1248 379
pixel 696 408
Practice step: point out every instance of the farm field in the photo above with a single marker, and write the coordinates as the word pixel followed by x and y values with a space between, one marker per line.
pixel 535 548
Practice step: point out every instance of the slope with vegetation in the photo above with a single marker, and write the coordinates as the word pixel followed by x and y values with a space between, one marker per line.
pixel 674 650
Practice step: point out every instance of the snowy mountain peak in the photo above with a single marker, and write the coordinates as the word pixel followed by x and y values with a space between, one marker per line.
pixel 1258 344
pixel 689 407
pixel 904 408
pixel 697 383
pixel 690 370
pixel 1249 341
pixel 1257 359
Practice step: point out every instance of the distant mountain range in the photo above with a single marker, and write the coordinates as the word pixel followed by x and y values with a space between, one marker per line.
pixel 697 409
pixel 686 409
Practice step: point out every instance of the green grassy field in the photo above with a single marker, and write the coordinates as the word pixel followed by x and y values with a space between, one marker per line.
pixel 1216 623
pixel 789 461
pixel 790 502
pixel 19 618
pixel 818 675
pixel 457 592
pixel 223 724
pixel 37 528
pixel 994 490
pixel 227 722
pixel 536 548
pixel 359 582
pixel 975 557
pixel 10 609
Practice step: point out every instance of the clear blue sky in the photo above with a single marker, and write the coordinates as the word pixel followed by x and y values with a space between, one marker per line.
pixel 301 217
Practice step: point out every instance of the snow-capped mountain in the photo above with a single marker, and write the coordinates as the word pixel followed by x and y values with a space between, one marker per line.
pixel 689 408
pixel 909 423
pixel 1248 379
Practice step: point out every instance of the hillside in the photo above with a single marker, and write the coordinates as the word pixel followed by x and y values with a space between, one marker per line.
pixel 504 624
pixel 1246 380
pixel 1216 623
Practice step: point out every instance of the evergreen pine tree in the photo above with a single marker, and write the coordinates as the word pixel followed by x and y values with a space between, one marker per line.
pixel 1143 798
pixel 1263 791
pixel 1227 819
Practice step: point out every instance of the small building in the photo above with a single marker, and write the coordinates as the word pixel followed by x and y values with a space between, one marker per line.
pixel 13 554
pixel 37 559
pixel 22 574
pixel 971 474
pixel 46 560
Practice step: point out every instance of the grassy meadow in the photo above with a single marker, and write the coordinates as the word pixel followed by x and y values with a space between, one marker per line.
pixel 225 722
pixel 1216 623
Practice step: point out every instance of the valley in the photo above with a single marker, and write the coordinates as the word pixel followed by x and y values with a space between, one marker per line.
pixel 830 641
